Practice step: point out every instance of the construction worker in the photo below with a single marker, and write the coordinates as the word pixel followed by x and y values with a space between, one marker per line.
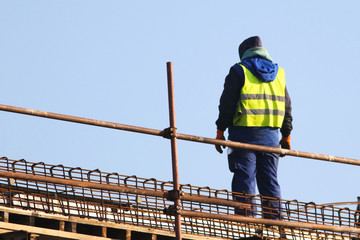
pixel 254 105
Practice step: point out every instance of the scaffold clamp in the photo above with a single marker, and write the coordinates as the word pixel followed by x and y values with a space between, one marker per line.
pixel 172 210
pixel 168 132
pixel 172 195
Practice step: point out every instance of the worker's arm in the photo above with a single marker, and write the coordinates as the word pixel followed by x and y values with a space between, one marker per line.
pixel 228 102
pixel 287 124
pixel 230 97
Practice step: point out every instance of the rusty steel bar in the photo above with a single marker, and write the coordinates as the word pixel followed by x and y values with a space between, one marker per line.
pixel 81 120
pixel 216 201
pixel 174 155
pixel 294 153
pixel 271 222
pixel 79 183
pixel 180 136
pixel 341 203
pixel 122 189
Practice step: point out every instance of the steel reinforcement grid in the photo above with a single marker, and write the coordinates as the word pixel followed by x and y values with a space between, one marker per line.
pixel 155 211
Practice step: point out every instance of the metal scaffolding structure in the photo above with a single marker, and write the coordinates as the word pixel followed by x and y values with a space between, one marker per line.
pixel 169 206
pixel 111 197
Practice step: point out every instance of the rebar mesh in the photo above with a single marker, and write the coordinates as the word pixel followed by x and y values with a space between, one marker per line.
pixel 144 210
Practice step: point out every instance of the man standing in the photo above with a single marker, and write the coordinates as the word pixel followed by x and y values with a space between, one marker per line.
pixel 254 105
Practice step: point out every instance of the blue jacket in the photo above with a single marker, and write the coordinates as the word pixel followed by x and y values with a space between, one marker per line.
pixel 263 69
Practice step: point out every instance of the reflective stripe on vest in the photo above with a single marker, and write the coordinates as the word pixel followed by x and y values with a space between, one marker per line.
pixel 262 104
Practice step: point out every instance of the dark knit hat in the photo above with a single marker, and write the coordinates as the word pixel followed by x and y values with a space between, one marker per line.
pixel 251 42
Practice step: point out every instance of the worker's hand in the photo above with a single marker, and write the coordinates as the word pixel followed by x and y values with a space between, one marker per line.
pixel 285 144
pixel 219 136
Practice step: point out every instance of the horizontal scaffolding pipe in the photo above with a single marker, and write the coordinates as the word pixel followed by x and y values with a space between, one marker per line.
pixel 186 137
pixel 270 222
pixel 81 120
pixel 123 189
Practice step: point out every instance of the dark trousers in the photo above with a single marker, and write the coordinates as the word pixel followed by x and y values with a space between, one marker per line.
pixel 251 168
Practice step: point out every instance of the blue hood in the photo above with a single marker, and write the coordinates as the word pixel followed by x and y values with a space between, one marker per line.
pixel 261 68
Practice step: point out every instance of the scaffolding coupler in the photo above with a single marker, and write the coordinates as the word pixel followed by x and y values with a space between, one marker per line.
pixel 169 132
pixel 172 195
pixel 172 210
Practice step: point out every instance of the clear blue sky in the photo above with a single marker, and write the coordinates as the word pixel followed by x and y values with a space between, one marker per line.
pixel 106 60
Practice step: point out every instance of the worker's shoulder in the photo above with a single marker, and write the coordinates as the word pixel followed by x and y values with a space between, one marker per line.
pixel 238 70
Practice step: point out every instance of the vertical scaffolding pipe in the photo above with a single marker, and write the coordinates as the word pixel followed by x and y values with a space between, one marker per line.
pixel 174 155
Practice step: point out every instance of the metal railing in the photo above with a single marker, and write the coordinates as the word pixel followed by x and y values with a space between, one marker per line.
pixel 167 134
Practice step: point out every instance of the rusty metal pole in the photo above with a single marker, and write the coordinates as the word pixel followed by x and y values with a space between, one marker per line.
pixel 81 120
pixel 186 137
pixel 174 156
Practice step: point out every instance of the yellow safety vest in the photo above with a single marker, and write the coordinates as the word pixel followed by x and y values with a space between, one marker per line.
pixel 262 104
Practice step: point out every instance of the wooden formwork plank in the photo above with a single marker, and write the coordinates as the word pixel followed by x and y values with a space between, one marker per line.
pixel 72 222
pixel 49 232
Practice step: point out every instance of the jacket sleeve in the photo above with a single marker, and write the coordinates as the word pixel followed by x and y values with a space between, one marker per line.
pixel 287 124
pixel 230 97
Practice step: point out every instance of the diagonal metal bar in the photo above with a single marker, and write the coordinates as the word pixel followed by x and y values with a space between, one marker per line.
pixel 81 120
pixel 316 156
